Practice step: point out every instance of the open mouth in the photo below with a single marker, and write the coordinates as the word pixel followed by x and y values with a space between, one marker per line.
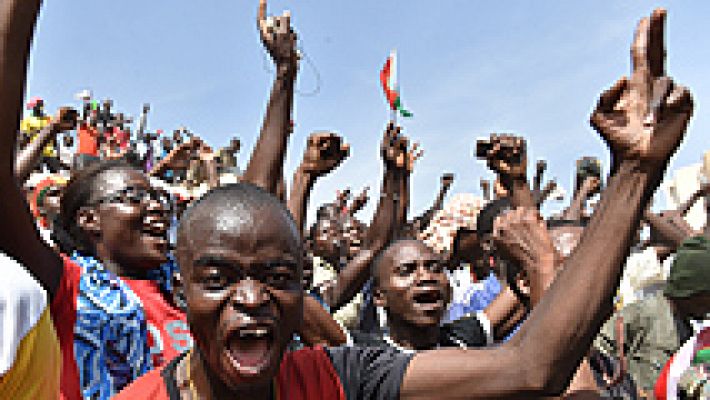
pixel 428 299
pixel 156 230
pixel 249 348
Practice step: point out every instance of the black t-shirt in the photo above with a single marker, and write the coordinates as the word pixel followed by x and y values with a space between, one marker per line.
pixel 369 372
pixel 311 373
pixel 466 332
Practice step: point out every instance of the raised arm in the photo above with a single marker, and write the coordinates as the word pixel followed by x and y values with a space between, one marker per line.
pixel 422 222
pixel 265 167
pixel 589 187
pixel 395 156
pixel 411 156
pixel 324 152
pixel 359 201
pixel 28 158
pixel 560 329
pixel 506 155
pixel 19 237
pixel 178 158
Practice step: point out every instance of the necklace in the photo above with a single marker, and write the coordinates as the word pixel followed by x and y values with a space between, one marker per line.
pixel 193 390
pixel 190 382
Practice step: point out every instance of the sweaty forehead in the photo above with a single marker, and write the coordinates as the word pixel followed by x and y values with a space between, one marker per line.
pixel 403 252
pixel 238 231
pixel 115 179
pixel 410 251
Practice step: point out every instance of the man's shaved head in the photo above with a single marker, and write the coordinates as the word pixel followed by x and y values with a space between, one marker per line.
pixel 231 209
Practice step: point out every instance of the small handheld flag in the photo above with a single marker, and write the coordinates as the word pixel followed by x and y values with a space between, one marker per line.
pixel 388 78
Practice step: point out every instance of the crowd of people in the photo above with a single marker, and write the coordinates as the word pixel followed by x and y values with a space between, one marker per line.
pixel 145 265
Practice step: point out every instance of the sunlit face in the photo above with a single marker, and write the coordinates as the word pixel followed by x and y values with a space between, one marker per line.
pixel 413 286
pixel 325 239
pixel 338 239
pixel 132 229
pixel 352 233
pixel 243 292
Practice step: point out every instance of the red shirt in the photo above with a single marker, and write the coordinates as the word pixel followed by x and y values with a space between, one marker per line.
pixel 338 373
pixel 306 374
pixel 88 140
pixel 166 324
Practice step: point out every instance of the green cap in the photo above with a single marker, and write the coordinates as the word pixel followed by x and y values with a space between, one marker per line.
pixel 690 272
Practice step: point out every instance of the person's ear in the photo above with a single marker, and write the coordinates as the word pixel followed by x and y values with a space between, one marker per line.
pixel 378 298
pixel 88 220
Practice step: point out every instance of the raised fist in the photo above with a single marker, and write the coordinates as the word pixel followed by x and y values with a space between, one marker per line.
pixel 447 179
pixel 324 151
pixel 506 155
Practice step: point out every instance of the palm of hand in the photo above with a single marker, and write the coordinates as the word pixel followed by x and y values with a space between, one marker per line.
pixel 396 151
pixel 644 117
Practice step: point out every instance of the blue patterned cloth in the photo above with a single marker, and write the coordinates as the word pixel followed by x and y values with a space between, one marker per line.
pixel 110 334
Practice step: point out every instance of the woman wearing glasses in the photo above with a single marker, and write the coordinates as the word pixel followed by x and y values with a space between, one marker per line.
pixel 113 295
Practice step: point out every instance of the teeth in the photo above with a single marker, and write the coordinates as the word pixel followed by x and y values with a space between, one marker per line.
pixel 253 333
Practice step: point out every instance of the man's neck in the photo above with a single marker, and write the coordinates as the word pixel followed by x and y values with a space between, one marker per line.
pixel 209 386
pixel 413 337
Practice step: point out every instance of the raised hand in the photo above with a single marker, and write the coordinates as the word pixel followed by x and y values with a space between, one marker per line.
pixel 521 236
pixel 324 152
pixel 396 152
pixel 506 155
pixel 278 37
pixel 205 153
pixel 591 186
pixel 65 120
pixel 359 201
pixel 447 179
pixel 341 198
pixel 644 117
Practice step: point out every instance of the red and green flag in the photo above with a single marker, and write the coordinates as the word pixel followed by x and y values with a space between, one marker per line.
pixel 388 77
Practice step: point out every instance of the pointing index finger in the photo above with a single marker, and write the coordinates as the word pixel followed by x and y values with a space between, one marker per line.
pixel 639 48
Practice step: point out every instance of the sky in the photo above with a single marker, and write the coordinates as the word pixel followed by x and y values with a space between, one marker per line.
pixel 466 69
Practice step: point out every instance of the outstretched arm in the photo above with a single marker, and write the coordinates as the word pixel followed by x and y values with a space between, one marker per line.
pixel 560 329
pixel 19 237
pixel 265 168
